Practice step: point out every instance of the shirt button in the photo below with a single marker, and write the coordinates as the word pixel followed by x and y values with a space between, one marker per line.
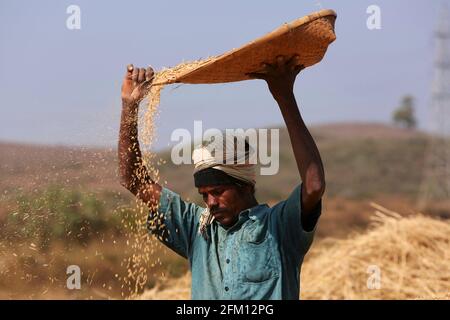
pixel 226 288
pixel 228 260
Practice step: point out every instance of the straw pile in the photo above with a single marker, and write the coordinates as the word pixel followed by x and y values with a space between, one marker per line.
pixel 412 254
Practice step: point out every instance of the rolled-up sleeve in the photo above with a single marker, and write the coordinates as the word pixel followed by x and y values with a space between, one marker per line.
pixel 176 222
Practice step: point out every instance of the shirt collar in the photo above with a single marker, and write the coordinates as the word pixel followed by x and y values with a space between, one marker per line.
pixel 250 213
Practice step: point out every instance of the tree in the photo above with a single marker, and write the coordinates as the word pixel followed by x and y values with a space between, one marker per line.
pixel 404 116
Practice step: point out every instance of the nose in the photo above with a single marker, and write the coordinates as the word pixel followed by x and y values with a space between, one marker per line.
pixel 211 202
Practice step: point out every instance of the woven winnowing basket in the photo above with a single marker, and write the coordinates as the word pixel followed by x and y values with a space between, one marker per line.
pixel 307 37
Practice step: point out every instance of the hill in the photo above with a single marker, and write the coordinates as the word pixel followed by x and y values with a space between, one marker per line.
pixel 363 161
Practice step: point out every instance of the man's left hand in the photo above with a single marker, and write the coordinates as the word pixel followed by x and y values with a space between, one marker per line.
pixel 280 76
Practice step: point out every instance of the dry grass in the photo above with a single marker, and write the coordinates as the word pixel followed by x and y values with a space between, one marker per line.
pixel 171 289
pixel 170 75
pixel 412 253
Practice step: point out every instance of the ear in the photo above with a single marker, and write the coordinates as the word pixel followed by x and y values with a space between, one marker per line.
pixel 248 188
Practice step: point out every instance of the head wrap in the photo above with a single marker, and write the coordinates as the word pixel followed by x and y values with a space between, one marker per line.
pixel 231 154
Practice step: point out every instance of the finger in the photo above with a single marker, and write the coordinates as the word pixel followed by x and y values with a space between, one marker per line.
pixel 281 61
pixel 293 62
pixel 141 76
pixel 267 68
pixel 135 75
pixel 149 74
pixel 130 68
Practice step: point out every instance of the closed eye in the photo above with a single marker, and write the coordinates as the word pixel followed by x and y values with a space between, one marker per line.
pixel 214 193
pixel 217 192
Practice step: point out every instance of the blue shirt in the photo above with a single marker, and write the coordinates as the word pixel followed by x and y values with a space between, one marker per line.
pixel 257 258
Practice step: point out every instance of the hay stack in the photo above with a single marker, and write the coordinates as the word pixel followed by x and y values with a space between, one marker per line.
pixel 412 253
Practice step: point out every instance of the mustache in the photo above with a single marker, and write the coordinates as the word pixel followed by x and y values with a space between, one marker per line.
pixel 220 210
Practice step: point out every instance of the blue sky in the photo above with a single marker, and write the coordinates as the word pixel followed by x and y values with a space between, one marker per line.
pixel 61 86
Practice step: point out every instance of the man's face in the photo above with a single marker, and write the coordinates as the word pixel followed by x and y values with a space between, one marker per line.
pixel 225 202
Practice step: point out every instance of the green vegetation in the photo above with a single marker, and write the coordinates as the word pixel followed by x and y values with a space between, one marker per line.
pixel 404 116
pixel 66 216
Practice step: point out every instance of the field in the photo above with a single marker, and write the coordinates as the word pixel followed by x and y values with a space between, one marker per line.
pixel 62 206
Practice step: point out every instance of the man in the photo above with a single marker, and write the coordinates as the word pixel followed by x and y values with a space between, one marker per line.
pixel 237 248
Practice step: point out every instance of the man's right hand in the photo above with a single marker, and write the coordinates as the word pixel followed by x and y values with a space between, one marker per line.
pixel 136 84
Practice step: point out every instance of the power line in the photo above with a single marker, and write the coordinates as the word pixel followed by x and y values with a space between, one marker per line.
pixel 435 184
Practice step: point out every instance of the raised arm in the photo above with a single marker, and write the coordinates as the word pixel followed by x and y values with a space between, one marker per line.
pixel 132 171
pixel 280 78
